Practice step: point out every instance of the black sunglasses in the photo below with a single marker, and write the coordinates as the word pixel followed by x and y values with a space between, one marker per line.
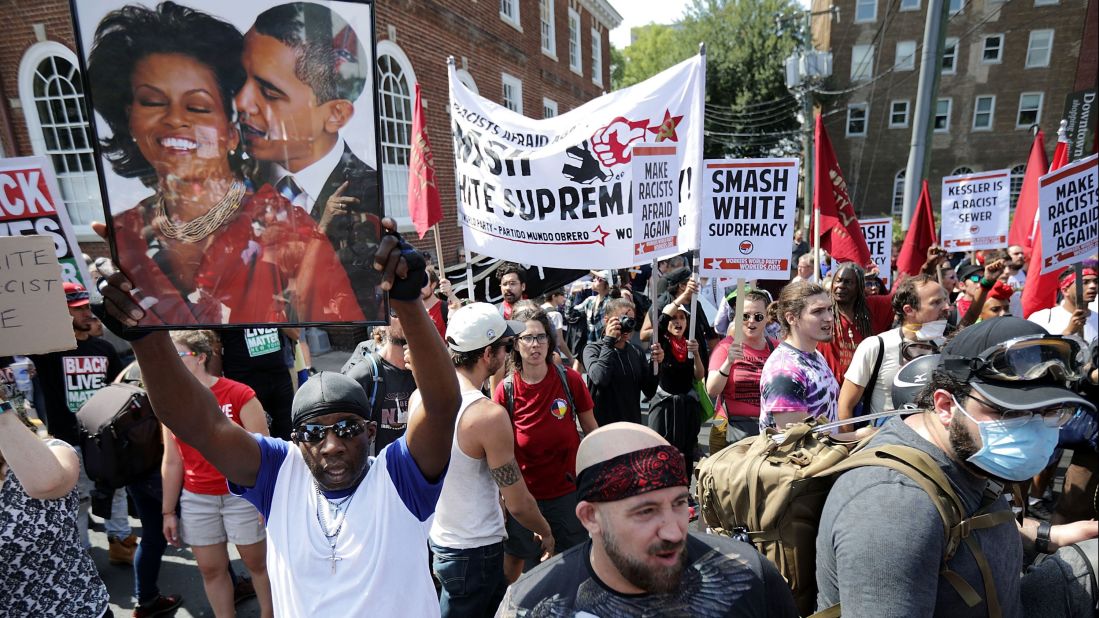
pixel 315 432
pixel 758 317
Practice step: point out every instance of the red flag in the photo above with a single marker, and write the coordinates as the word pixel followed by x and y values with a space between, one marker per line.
pixel 840 232
pixel 920 236
pixel 1040 291
pixel 1025 224
pixel 424 205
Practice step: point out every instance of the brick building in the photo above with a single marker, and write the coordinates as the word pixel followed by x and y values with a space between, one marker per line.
pixel 538 57
pixel 1007 67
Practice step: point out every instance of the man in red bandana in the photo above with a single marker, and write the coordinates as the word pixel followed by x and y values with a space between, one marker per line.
pixel 1066 318
pixel 640 560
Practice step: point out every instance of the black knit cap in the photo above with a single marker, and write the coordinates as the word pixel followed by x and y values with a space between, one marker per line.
pixel 326 393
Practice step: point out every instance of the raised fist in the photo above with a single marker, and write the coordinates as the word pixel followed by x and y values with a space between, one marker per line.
pixel 611 143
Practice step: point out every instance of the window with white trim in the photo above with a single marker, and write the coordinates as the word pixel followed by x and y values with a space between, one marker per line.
pixel 898 193
pixel 1018 172
pixel 905 59
pixel 984 111
pixel 596 58
pixel 549 108
pixel 52 96
pixel 862 62
pixel 992 48
pixel 509 12
pixel 898 114
pixel 1030 109
pixel 942 115
pixel 961 170
pixel 549 30
pixel 866 11
pixel 467 80
pixel 910 5
pixel 956 6
pixel 396 87
pixel 513 92
pixel 856 119
pixel 576 60
pixel 1039 48
pixel 950 56
pixel 1046 2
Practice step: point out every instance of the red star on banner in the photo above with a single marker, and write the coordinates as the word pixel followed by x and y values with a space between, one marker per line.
pixel 666 129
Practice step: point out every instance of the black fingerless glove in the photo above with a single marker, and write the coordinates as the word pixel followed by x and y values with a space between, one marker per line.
pixel 110 323
pixel 409 287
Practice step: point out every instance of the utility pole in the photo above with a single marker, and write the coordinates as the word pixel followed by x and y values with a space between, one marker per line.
pixel 934 43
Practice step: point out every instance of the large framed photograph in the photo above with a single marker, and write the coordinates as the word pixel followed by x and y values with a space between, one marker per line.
pixel 238 157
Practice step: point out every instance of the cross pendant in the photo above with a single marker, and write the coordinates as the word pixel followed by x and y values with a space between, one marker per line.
pixel 334 559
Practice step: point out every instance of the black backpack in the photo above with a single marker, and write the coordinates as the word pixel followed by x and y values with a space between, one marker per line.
pixel 120 436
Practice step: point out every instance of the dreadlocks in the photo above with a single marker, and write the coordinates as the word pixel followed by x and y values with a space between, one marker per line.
pixel 859 307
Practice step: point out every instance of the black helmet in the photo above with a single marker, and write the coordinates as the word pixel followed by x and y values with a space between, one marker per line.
pixel 911 379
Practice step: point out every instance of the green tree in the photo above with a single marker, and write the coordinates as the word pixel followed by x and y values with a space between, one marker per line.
pixel 655 47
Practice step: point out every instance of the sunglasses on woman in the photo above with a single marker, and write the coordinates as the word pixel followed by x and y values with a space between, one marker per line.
pixel 315 432
pixel 756 317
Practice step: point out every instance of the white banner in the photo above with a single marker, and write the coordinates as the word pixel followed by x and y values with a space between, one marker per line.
pixel 1068 207
pixel 748 218
pixel 976 212
pixel 879 239
pixel 655 201
pixel 558 191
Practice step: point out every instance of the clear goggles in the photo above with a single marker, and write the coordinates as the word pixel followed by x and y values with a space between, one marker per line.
pixel 1027 358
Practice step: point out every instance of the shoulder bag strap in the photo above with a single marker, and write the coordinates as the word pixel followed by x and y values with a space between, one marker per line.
pixel 871 386
pixel 563 375
pixel 509 394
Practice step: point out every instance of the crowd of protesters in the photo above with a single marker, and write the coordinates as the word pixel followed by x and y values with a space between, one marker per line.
pixel 539 452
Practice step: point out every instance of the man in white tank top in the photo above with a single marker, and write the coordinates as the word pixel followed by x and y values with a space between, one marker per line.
pixel 467 536
pixel 345 532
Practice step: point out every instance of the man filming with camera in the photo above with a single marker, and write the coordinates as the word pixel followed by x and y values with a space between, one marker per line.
pixel 617 369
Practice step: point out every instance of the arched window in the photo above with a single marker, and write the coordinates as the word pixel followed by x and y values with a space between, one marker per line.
pixel 396 87
pixel 898 194
pixel 467 80
pixel 52 95
pixel 958 171
pixel 1017 174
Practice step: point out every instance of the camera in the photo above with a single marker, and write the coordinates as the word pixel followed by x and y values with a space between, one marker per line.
pixel 627 323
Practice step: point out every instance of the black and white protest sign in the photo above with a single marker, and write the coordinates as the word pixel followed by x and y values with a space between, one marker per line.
pixel 1068 210
pixel 655 201
pixel 879 239
pixel 975 210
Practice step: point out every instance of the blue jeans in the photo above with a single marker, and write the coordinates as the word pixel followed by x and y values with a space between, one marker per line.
pixel 473 579
pixel 146 495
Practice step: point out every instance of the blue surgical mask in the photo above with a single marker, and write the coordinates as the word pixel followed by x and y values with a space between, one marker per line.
pixel 1015 449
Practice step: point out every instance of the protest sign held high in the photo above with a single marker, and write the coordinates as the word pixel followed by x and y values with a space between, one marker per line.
pixel 655 201
pixel 559 191
pixel 879 239
pixel 748 218
pixel 30 204
pixel 1068 201
pixel 975 211
pixel 33 315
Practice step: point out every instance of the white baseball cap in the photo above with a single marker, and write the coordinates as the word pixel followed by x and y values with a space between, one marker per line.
pixel 479 325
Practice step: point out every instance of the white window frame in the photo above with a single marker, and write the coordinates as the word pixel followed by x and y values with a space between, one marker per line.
pixel 1031 49
pixel 898 192
pixel 549 108
pixel 395 150
pixel 910 5
pixel 79 187
pixel 466 78
pixel 862 66
pixel 999 48
pixel 907 113
pixel 962 169
pixel 991 111
pixel 865 119
pixel 1038 112
pixel 548 28
pixel 956 6
pixel 516 86
pixel 861 6
pixel 949 112
pixel 576 48
pixel 951 42
pixel 1046 2
pixel 1018 173
pixel 902 62
pixel 509 14
pixel 596 58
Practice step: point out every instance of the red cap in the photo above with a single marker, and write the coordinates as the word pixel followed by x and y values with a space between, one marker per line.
pixel 75 294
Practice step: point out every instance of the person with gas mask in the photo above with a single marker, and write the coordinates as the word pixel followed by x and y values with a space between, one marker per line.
pixel 921 307
pixel 618 372
pixel 990 414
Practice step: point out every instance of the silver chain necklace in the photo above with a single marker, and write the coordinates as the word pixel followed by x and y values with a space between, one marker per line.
pixel 332 537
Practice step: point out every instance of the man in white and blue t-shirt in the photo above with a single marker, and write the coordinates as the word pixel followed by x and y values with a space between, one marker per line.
pixel 346 532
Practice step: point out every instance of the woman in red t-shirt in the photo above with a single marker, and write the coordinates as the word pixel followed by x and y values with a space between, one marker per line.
pixel 209 515
pixel 546 439
pixel 733 378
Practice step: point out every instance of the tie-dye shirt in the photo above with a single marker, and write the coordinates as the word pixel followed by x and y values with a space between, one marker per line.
pixel 793 381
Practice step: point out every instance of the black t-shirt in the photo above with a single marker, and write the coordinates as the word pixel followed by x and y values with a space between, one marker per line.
pixel 248 350
pixel 391 401
pixel 723 578
pixel 70 378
